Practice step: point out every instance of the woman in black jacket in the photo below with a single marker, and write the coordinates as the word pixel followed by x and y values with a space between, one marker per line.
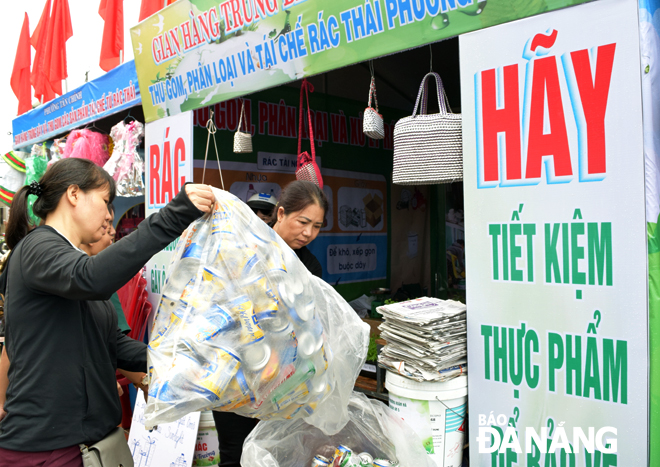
pixel 62 341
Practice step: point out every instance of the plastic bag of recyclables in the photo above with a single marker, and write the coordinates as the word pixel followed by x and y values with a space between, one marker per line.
pixel 372 428
pixel 243 327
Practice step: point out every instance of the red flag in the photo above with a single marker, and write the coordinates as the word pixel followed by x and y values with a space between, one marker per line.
pixel 112 11
pixel 20 75
pixel 39 40
pixel 60 30
pixel 149 7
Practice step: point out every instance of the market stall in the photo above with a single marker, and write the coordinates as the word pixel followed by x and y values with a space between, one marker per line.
pixel 200 65
pixel 92 111
pixel 546 230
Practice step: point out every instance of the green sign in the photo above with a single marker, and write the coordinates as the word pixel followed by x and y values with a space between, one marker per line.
pixel 196 53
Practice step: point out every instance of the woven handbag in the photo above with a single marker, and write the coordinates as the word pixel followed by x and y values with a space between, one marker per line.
pixel 372 123
pixel 307 169
pixel 428 149
pixel 243 139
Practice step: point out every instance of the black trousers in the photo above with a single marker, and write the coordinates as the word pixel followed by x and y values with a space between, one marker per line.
pixel 232 431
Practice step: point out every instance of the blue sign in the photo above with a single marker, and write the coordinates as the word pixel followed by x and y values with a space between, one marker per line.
pixel 113 92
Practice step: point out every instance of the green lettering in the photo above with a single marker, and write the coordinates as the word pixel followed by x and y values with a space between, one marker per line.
pixel 555 359
pixel 516 252
pixel 577 253
pixel 487 332
pixel 591 370
pixel 551 257
pixel 530 230
pixel 615 370
pixel 565 253
pixel 600 252
pixel 494 231
pixel 499 354
pixel 505 252
pixel 573 365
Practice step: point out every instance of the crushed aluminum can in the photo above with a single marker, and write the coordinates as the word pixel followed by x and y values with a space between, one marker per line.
pixel 341 453
pixel 320 461
pixel 366 458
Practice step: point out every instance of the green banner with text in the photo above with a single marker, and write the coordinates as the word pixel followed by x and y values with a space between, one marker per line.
pixel 196 53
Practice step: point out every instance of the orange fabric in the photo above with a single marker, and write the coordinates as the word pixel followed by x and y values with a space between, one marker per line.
pixel 39 40
pixel 112 12
pixel 20 75
pixel 60 30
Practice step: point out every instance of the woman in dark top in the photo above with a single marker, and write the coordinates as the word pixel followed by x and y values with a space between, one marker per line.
pixel 62 337
pixel 298 218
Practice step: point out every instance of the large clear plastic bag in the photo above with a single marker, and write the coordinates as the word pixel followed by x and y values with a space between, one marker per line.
pixel 372 427
pixel 244 327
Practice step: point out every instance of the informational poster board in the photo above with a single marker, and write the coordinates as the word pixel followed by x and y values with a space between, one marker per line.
pixel 555 237
pixel 167 445
pixel 352 244
pixel 168 166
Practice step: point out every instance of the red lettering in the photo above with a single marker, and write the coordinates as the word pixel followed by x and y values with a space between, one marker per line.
pixel 263 115
pixel 154 174
pixel 179 158
pixel 236 14
pixel 555 143
pixel 291 121
pixel 505 120
pixel 157 49
pixel 173 35
pixel 594 94
pixel 185 32
pixel 232 114
pixel 247 12
pixel 166 182
pixel 281 114
pixel 167 49
pixel 196 35
pixel 271 6
pixel 259 9
pixel 272 119
pixel 214 23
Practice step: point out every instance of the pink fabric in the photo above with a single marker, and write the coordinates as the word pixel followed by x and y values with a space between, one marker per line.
pixel 87 144
pixel 65 457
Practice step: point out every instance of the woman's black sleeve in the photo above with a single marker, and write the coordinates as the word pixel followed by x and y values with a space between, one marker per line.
pixel 68 273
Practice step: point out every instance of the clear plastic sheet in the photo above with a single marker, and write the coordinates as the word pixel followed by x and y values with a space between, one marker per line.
pixel 372 427
pixel 244 327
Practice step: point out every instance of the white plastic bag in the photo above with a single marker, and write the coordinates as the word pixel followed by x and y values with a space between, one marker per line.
pixel 243 327
pixel 372 427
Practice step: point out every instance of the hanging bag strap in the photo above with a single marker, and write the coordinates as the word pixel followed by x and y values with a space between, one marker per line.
pixel 423 93
pixel 210 126
pixel 240 120
pixel 372 92
pixel 372 86
pixel 306 88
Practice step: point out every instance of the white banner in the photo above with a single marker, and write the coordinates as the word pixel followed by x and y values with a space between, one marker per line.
pixel 555 239
pixel 169 165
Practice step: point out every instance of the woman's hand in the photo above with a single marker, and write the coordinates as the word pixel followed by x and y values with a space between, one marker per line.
pixel 201 196
pixel 3 414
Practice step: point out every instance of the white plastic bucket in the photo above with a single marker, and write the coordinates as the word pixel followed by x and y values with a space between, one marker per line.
pixel 207 448
pixel 435 411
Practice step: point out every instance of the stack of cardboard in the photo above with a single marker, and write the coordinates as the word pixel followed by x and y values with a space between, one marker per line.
pixel 426 339
pixel 373 208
